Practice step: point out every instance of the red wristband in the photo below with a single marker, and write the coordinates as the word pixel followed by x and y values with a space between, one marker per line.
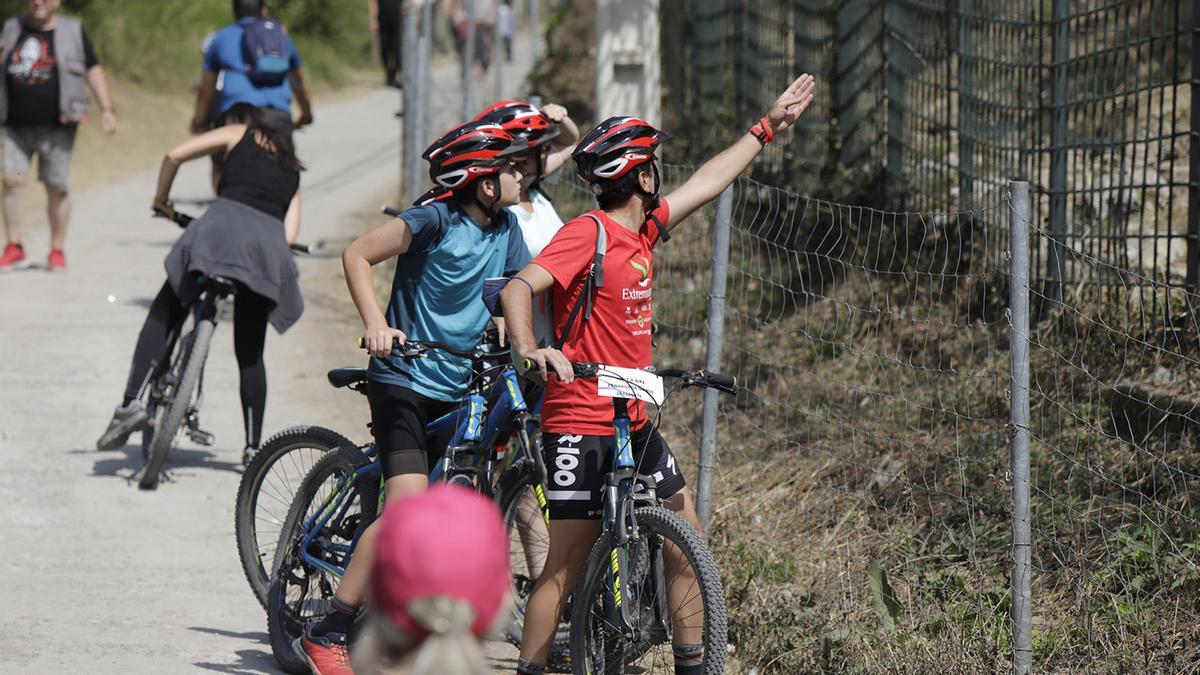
pixel 762 131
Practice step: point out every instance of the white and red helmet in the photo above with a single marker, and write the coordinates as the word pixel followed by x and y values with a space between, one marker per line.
pixel 469 152
pixel 615 147
pixel 522 120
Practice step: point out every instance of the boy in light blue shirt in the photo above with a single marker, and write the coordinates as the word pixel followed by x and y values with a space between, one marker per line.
pixel 444 250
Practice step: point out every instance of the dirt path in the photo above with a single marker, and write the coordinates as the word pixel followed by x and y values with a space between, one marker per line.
pixel 99 576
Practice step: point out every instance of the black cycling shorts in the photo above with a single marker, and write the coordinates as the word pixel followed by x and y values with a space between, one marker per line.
pixel 398 419
pixel 576 466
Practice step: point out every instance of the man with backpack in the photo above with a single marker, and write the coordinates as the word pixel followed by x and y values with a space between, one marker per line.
pixel 257 64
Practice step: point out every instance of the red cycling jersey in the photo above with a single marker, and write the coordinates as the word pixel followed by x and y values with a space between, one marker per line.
pixel 618 332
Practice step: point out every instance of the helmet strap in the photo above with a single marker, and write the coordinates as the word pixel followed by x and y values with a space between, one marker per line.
pixel 489 210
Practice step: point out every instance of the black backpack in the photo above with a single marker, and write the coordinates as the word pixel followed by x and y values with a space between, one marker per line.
pixel 264 49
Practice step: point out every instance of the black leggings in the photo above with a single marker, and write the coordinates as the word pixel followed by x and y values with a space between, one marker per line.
pixel 250 312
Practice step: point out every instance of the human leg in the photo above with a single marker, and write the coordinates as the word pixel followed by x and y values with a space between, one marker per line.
pixel 17 155
pixel 166 315
pixel 54 170
pixel 570 543
pixel 250 312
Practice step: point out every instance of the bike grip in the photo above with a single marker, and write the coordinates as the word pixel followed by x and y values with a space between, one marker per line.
pixel 719 380
pixel 362 343
pixel 391 211
pixel 300 248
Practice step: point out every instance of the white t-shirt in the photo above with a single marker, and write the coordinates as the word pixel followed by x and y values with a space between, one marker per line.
pixel 538 228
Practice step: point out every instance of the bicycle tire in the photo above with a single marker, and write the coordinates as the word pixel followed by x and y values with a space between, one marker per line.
pixel 289 603
pixel 515 489
pixel 181 399
pixel 611 656
pixel 284 451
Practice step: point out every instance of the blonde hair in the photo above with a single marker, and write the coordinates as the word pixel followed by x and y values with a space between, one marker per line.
pixel 449 649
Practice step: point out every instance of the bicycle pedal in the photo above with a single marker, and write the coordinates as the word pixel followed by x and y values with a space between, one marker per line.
pixel 201 437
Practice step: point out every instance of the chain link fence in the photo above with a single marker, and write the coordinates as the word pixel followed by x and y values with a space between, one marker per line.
pixel 863 510
pixel 930 105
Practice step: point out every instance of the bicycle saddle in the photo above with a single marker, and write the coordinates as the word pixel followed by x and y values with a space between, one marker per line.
pixel 221 285
pixel 346 377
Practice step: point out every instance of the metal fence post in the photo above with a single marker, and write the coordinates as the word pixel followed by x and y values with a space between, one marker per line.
pixel 468 65
pixel 426 75
pixel 716 335
pixel 966 113
pixel 896 60
pixel 411 97
pixel 1061 48
pixel 1022 605
pixel 1193 241
pixel 535 30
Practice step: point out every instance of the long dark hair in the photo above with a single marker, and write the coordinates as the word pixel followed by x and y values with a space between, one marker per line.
pixel 244 113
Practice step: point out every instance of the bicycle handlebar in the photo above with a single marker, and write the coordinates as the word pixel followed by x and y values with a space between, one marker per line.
pixel 183 220
pixel 411 349
pixel 691 378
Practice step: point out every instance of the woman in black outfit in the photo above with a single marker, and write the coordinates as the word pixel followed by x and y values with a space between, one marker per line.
pixel 243 236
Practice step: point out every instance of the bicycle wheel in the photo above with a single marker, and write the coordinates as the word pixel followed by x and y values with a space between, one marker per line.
pixel 529 539
pixel 268 487
pixel 301 590
pixel 655 594
pixel 195 351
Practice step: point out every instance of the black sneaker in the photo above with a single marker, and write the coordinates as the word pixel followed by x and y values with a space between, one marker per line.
pixel 126 419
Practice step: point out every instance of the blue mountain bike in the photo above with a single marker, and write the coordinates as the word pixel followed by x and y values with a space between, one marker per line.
pixel 342 494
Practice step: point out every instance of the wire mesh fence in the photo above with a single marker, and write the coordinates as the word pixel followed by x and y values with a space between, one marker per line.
pixel 863 497
pixel 937 100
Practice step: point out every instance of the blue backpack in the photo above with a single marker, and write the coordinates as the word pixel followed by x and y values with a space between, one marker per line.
pixel 264 49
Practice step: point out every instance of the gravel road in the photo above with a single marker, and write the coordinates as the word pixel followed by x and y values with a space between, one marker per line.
pixel 98 576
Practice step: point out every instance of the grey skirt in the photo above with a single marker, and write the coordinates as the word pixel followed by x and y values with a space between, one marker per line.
pixel 238 242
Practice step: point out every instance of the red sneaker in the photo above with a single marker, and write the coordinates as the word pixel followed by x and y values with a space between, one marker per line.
pixel 57 262
pixel 325 655
pixel 13 258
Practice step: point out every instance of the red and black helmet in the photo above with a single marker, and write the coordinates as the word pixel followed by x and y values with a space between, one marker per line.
pixel 522 120
pixel 615 147
pixel 469 152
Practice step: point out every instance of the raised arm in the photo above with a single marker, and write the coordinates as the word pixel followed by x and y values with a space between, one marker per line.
pixel 564 145
pixel 386 241
pixel 217 140
pixel 717 173
pixel 300 91
pixel 517 301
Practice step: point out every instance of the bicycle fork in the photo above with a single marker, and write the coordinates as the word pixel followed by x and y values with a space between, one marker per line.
pixel 620 605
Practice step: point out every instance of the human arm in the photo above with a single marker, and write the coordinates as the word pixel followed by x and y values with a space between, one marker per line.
pixel 204 96
pixel 98 82
pixel 291 220
pixel 717 173
pixel 300 91
pixel 517 301
pixel 568 136
pixel 373 15
pixel 217 140
pixel 391 239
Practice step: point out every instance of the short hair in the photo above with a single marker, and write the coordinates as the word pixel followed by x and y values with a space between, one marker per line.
pixel 245 8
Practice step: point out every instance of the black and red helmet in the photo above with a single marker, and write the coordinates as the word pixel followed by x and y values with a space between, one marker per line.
pixel 469 152
pixel 522 120
pixel 615 147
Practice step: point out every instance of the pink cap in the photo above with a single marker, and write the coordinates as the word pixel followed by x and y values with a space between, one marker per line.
pixel 446 541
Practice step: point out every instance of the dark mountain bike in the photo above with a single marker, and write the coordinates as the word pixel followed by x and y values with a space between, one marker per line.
pixel 649 575
pixel 343 494
pixel 174 392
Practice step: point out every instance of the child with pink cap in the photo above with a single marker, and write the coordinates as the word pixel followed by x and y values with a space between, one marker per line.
pixel 440 581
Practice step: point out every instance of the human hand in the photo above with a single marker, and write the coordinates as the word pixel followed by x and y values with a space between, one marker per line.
pixel 108 121
pixel 379 340
pixel 791 103
pixel 163 208
pixel 373 24
pixel 552 358
pixel 305 119
pixel 197 126
pixel 501 338
pixel 554 112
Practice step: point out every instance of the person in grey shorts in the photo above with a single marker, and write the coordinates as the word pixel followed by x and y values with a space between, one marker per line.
pixel 47 65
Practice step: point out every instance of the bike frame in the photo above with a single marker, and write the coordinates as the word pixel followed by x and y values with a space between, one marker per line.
pixel 471 438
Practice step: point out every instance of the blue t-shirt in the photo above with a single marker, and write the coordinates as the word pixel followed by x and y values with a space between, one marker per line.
pixel 225 54
pixel 437 293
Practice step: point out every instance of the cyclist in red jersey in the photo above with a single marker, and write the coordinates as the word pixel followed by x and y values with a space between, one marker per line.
pixel 617 159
